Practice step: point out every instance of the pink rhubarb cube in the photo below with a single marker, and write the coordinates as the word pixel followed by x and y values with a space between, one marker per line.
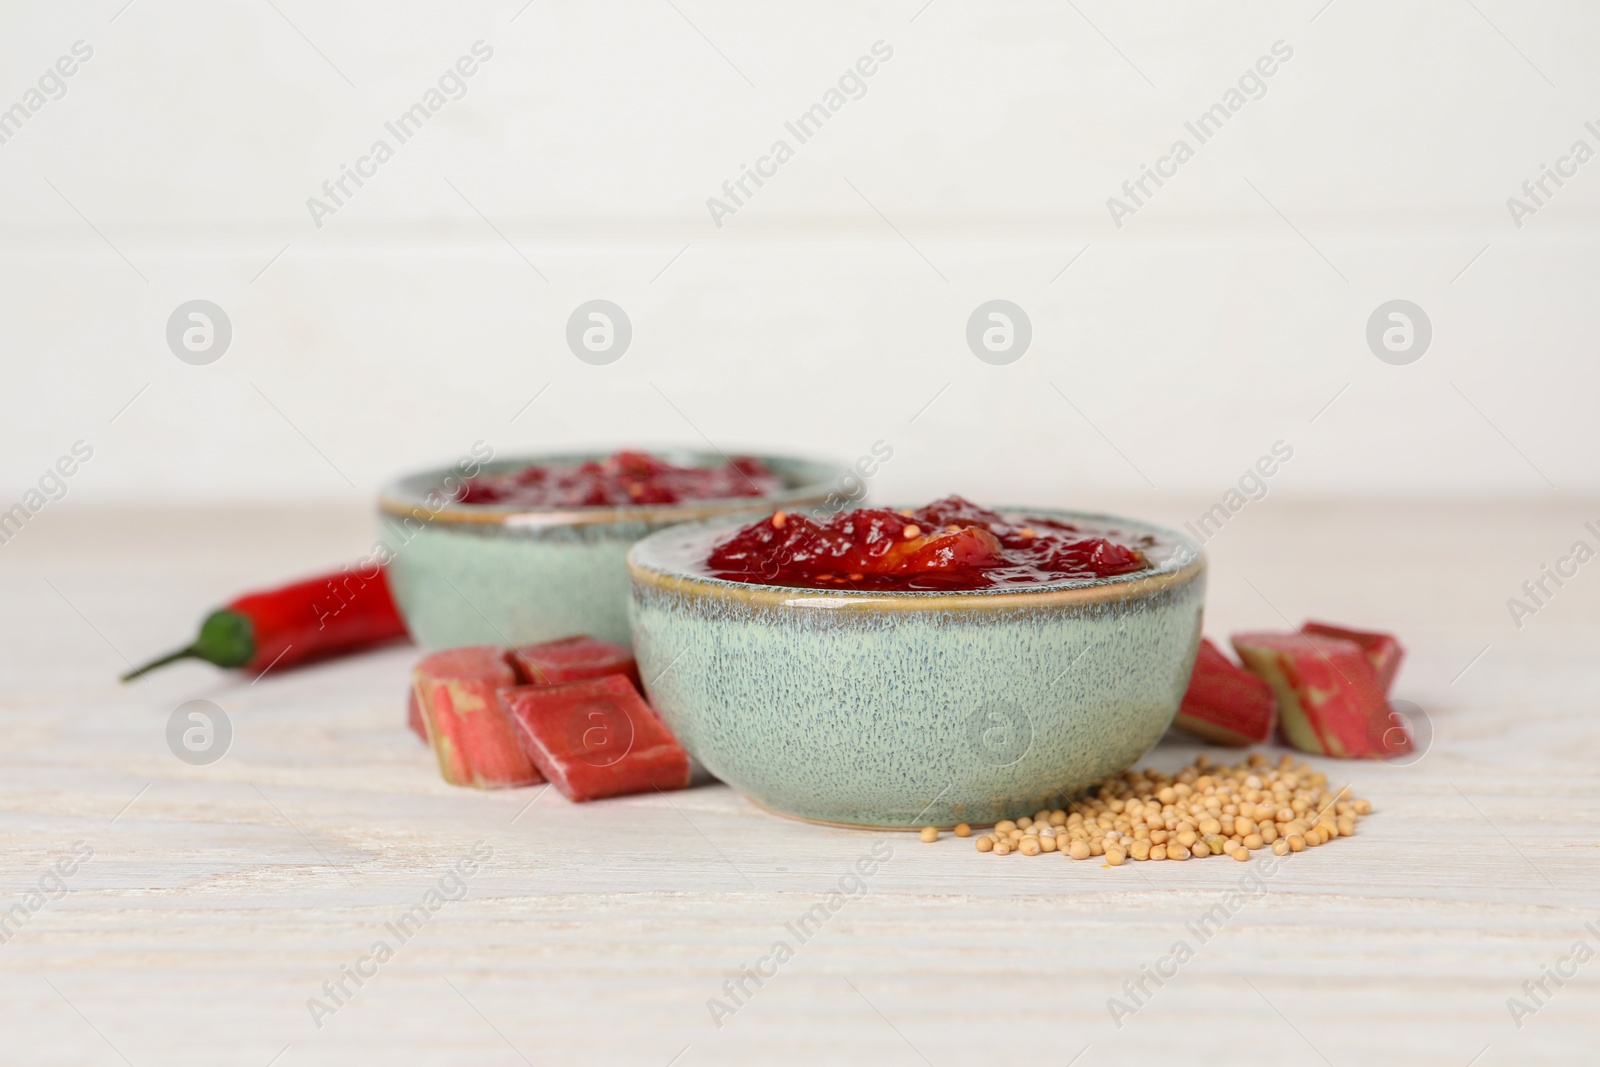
pixel 414 715
pixel 573 659
pixel 1383 650
pixel 1226 704
pixel 596 738
pixel 1329 700
pixel 474 741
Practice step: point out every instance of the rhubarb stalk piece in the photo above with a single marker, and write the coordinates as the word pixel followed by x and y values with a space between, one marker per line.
pixel 1329 698
pixel 596 738
pixel 466 726
pixel 573 659
pixel 1383 650
pixel 1226 704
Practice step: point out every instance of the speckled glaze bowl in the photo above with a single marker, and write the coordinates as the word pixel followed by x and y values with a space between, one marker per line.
pixel 899 710
pixel 489 574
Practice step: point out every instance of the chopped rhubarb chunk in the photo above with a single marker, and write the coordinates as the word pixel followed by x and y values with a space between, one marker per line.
pixel 414 715
pixel 596 738
pixel 1383 650
pixel 1226 704
pixel 468 729
pixel 573 659
pixel 1328 693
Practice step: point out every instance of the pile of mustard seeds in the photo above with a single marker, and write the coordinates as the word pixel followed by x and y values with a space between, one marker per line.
pixel 1204 810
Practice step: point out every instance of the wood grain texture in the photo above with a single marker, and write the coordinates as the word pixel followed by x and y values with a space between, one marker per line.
pixel 223 897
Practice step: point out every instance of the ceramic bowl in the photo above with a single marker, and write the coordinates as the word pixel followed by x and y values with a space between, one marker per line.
pixel 489 574
pixel 905 709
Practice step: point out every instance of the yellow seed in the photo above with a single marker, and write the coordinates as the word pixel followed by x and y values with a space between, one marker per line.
pixel 963 830
pixel 1200 850
pixel 1158 852
pixel 1216 843
pixel 1115 856
pixel 1042 815
pixel 1253 842
pixel 1097 846
pixel 1177 852
pixel 1004 826
pixel 1210 826
pixel 1296 843
pixel 985 843
pixel 1047 844
pixel 1241 854
pixel 1269 832
pixel 1363 807
pixel 1280 847
pixel 930 833
pixel 1187 838
pixel 1001 848
pixel 1030 846
pixel 1058 818
pixel 1347 827
pixel 1139 850
pixel 1158 837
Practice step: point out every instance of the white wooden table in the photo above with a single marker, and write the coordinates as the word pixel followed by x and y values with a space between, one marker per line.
pixel 220 899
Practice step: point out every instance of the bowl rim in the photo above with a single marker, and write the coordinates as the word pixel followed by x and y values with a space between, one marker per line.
pixel 408 496
pixel 1186 562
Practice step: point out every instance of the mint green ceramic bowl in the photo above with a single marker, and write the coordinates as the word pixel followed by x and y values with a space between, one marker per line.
pixel 487 574
pixel 900 710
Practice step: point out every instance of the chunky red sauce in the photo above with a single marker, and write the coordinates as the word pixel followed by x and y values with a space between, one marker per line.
pixel 951 544
pixel 625 478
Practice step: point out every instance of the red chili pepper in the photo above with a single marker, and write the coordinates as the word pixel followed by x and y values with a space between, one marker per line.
pixel 323 616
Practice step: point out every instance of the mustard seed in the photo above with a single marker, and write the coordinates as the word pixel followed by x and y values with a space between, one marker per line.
pixel 963 830
pixel 930 833
pixel 1203 810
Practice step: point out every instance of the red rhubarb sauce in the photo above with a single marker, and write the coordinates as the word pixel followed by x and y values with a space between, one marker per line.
pixel 950 544
pixel 623 479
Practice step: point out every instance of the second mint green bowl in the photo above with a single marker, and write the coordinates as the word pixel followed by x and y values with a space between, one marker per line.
pixel 487 574
pixel 905 709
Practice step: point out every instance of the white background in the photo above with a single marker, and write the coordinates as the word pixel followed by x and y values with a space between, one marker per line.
pixel 831 309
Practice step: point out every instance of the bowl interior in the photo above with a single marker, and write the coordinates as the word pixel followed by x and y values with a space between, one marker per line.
pixel 680 553
pixel 803 479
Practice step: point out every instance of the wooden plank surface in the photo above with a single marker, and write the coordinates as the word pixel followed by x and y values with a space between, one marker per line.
pixel 220 899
